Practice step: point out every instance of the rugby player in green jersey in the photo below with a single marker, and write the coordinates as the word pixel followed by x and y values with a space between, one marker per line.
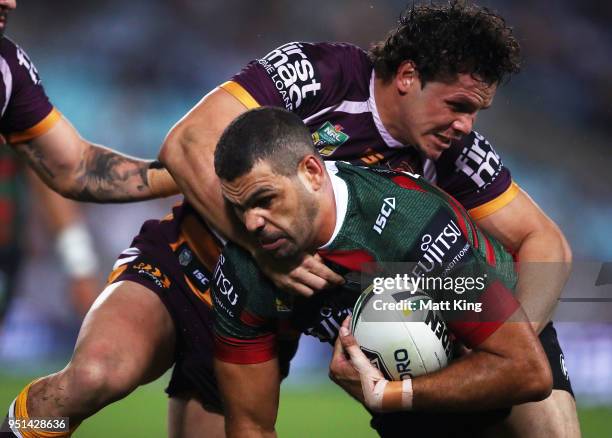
pixel 291 202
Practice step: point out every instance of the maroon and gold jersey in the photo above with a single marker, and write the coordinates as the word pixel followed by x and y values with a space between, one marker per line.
pixel 25 113
pixel 330 86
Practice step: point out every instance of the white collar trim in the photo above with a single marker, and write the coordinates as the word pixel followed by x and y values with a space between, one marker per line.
pixel 387 138
pixel 341 198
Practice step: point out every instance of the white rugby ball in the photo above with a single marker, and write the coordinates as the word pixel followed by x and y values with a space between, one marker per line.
pixel 401 334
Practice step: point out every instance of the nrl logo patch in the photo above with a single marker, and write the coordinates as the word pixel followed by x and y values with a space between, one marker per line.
pixel 185 257
pixel 281 306
pixel 328 138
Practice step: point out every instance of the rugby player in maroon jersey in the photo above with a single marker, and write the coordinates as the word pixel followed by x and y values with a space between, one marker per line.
pixel 410 102
pixel 69 164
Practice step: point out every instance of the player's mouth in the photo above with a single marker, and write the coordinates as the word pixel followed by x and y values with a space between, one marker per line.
pixel 272 244
pixel 443 141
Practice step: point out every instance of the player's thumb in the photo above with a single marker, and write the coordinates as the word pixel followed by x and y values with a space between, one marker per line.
pixel 350 346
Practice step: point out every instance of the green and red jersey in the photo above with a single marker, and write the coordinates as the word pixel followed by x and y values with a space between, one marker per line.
pixel 382 216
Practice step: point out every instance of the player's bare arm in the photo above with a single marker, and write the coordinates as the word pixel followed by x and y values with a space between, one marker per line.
pixel 188 153
pixel 250 394
pixel 508 368
pixel 543 252
pixel 80 170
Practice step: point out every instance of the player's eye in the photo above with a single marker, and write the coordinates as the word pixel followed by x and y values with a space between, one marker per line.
pixel 264 202
pixel 461 107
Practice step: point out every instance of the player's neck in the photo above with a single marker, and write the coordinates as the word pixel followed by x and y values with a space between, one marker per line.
pixel 387 105
pixel 327 216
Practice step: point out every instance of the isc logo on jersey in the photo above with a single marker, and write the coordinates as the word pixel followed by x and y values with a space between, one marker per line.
pixel 292 73
pixel 479 162
pixel 387 208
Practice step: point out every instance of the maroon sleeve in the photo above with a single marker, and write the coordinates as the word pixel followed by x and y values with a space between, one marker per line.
pixel 28 105
pixel 307 77
pixel 472 172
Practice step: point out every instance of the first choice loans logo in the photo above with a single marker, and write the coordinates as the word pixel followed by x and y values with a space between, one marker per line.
pixel 292 73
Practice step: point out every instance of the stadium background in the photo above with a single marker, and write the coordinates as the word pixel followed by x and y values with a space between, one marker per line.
pixel 124 72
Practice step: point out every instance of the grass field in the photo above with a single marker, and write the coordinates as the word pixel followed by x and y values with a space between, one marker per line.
pixel 319 411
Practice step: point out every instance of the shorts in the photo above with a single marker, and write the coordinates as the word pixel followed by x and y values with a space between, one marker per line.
pixel 164 259
pixel 472 424
pixel 175 258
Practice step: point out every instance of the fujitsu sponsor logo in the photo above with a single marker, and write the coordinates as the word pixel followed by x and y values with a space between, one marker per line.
pixel 292 73
pixel 479 162
pixel 223 284
pixel 436 247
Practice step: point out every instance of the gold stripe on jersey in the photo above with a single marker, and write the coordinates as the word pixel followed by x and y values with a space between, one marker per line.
pixel 488 208
pixel 237 90
pixel 116 273
pixel 201 241
pixel 203 296
pixel 37 130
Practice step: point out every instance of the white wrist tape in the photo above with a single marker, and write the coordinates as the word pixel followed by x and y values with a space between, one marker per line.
pixel 374 394
pixel 407 394
pixel 385 396
pixel 75 248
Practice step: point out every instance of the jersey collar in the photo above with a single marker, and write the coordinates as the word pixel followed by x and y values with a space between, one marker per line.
pixel 387 138
pixel 341 198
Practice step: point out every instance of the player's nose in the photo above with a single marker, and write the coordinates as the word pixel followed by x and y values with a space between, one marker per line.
pixel 253 221
pixel 464 123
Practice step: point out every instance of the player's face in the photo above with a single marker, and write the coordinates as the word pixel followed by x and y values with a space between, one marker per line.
pixel 441 112
pixel 5 7
pixel 277 211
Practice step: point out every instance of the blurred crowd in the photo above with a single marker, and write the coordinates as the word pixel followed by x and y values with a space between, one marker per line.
pixel 124 72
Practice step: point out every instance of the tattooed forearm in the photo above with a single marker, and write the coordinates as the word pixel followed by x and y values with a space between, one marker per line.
pixel 37 160
pixel 107 176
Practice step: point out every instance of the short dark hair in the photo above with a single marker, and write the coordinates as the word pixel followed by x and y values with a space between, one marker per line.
pixel 444 41
pixel 268 133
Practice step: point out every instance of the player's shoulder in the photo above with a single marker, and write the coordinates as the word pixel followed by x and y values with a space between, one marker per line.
pixel 472 171
pixel 11 51
pixel 17 60
pixel 8 46
pixel 379 179
pixel 238 284
pixel 306 77
pixel 343 59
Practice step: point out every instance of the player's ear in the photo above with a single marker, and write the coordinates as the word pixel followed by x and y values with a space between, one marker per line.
pixel 312 172
pixel 406 77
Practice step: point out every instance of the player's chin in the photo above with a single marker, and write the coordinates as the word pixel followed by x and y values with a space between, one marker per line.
pixel 286 250
pixel 431 151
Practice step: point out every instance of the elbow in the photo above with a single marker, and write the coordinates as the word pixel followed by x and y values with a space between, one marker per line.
pixel 565 251
pixel 171 148
pixel 536 379
pixel 180 142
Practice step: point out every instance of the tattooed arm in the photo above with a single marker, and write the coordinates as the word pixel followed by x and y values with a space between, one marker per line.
pixel 83 171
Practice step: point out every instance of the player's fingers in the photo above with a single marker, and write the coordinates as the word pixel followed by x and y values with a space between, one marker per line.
pixel 308 279
pixel 298 288
pixel 320 269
